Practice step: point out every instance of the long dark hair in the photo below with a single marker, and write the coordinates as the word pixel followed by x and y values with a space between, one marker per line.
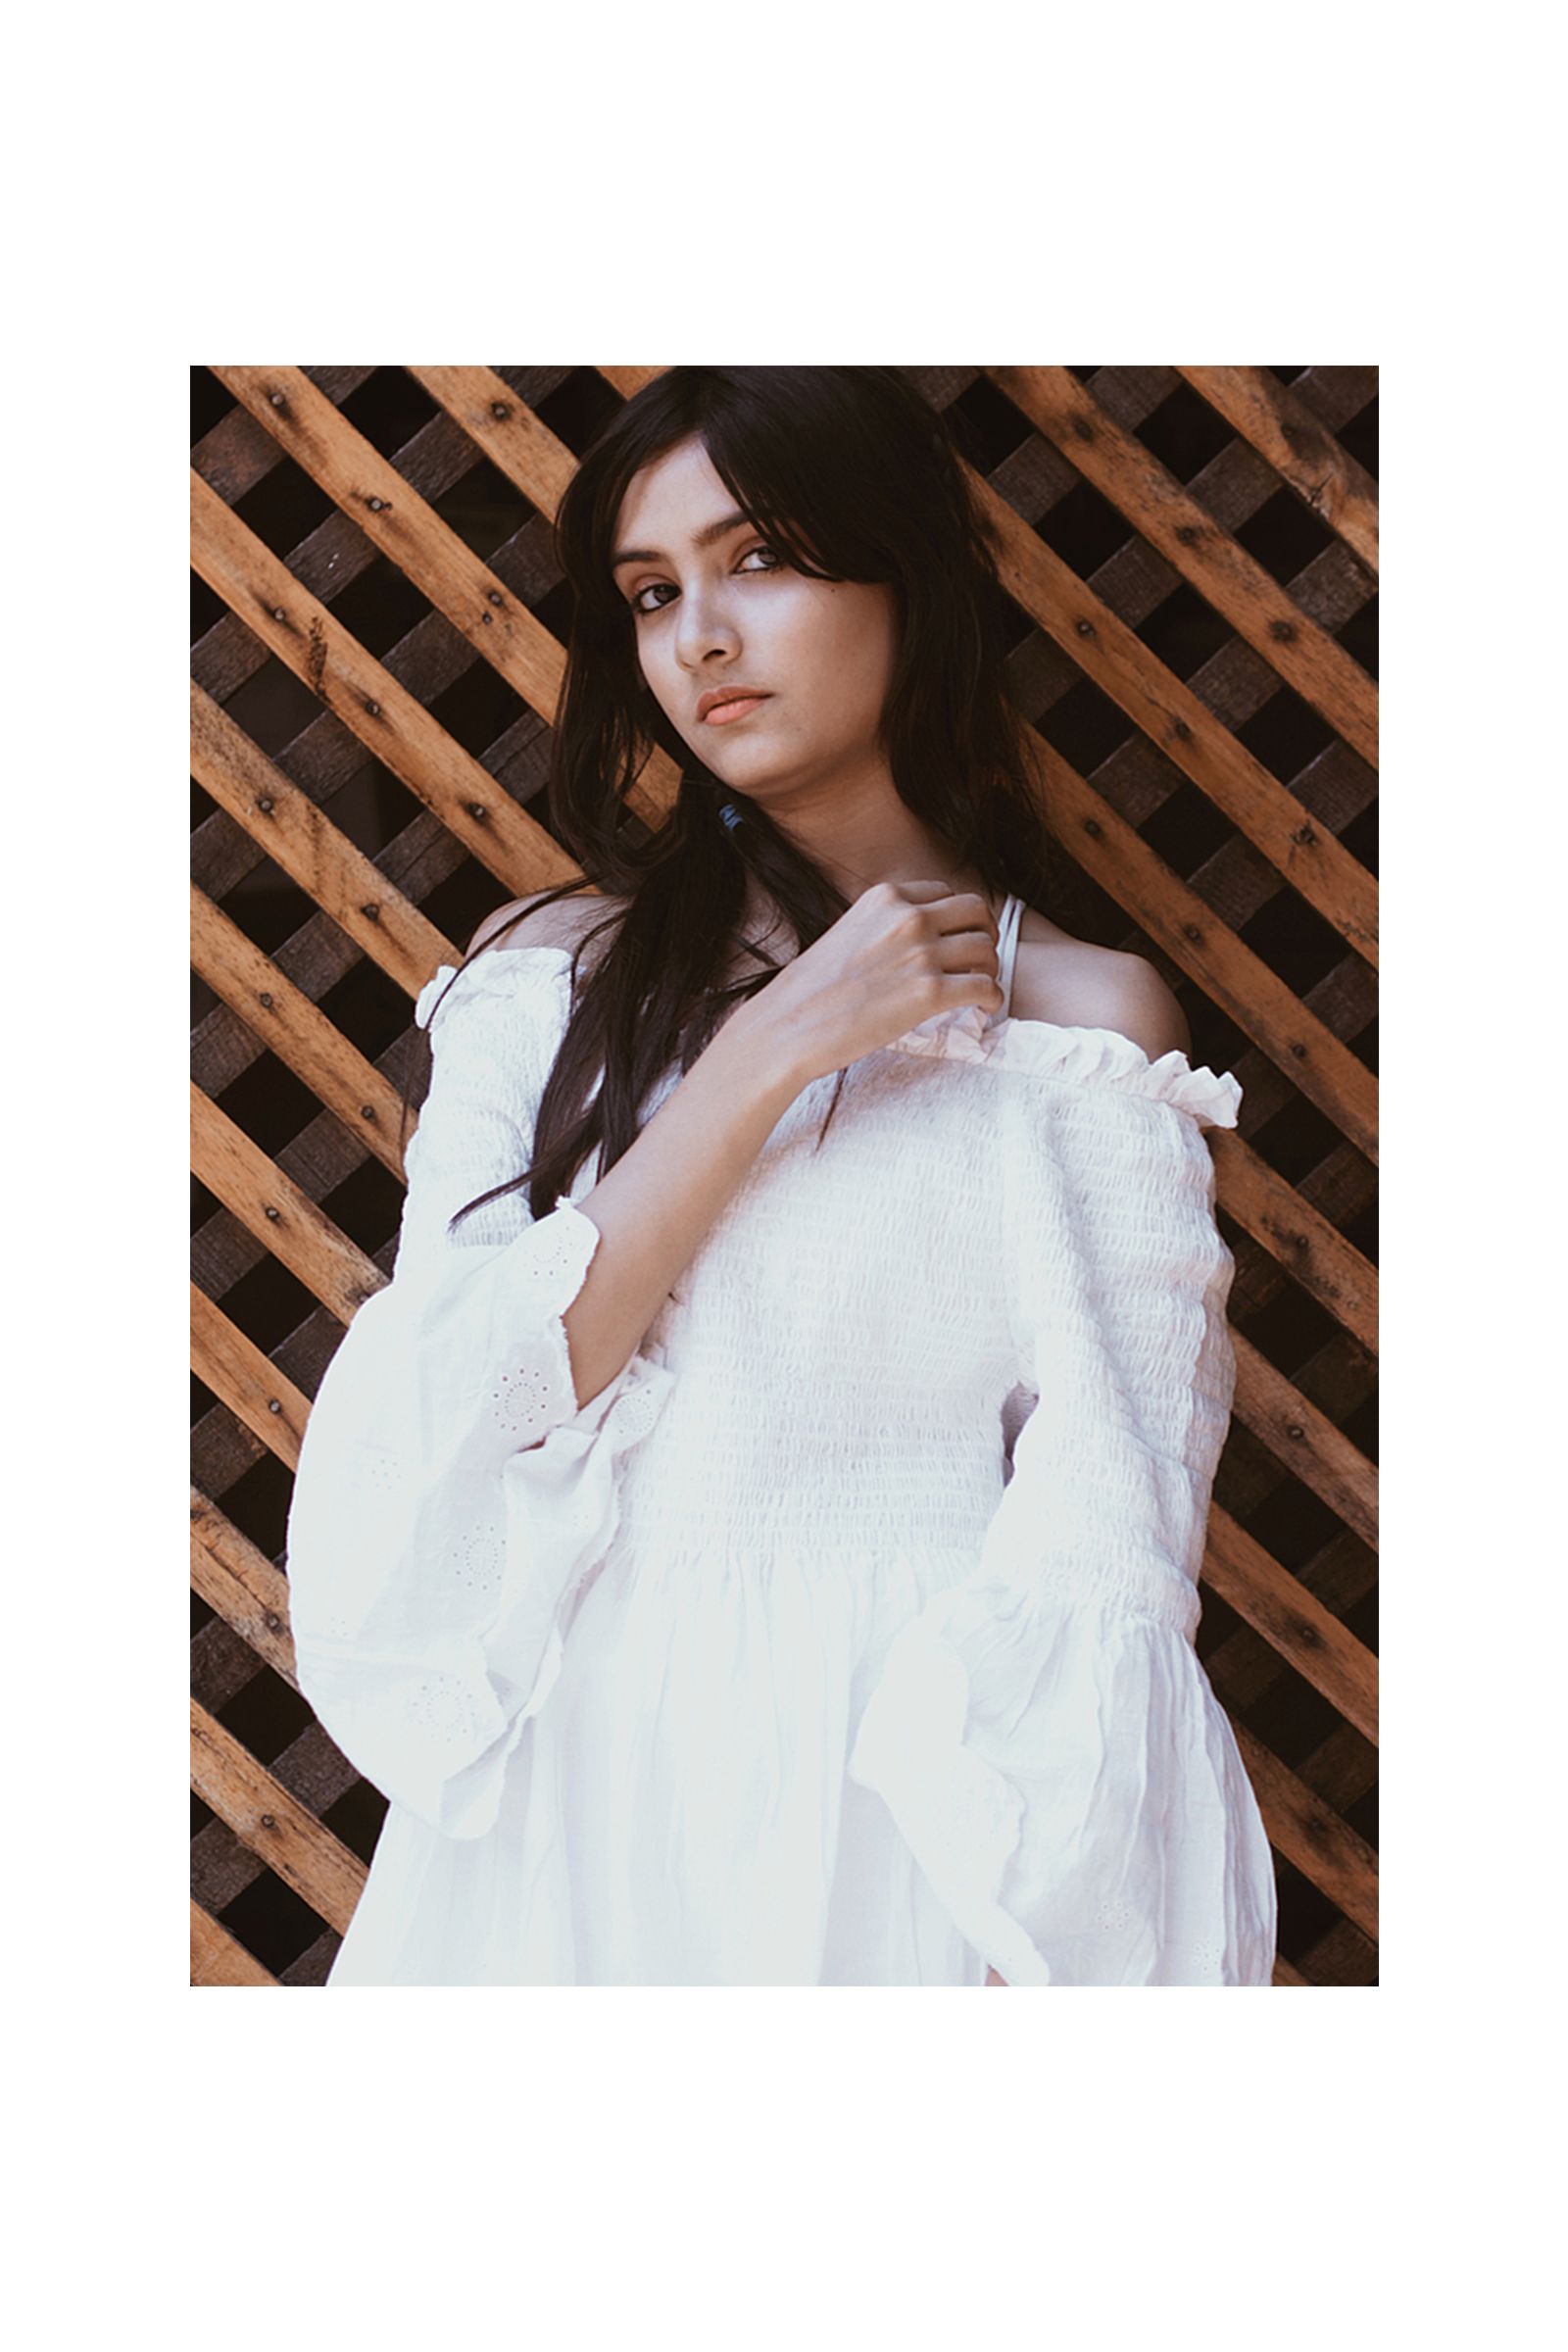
pixel 850 474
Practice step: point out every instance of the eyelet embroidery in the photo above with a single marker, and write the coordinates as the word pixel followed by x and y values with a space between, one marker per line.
pixel 521 1400
pixel 444 1705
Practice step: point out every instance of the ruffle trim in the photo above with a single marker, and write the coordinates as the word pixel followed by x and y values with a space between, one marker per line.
pixel 1078 1057
pixel 1070 1054
pixel 490 974
pixel 959 1816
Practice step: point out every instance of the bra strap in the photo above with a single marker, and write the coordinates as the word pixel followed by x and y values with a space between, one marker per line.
pixel 1006 952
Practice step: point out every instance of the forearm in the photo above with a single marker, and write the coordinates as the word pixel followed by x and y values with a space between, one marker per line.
pixel 656 1205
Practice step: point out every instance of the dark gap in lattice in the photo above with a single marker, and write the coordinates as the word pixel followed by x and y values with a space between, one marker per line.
pixel 210 403
pixel 577 411
pixel 1363 1230
pixel 269 906
pixel 1186 829
pixel 1359 438
pixel 268 1303
pixel 1361 1618
pixel 1085 726
pixel 270 1103
pixel 381 607
pixel 273 1922
pixel 370 1008
pixel 207 608
pixel 555 608
pixel 483 508
pixel 1284 733
pixel 202 805
pixel 284 506
pixel 1293 939
pixel 1306 1913
pixel 265 1714
pixel 1284 535
pixel 1075 901
pixel 1219 1621
pixel 1359 636
pixel 986 425
pixel 390 408
pixel 477 708
pixel 357 1817
pixel 1299 1719
pixel 367 1205
pixel 1361 1425
pixel 274 706
pixel 1362 1816
pixel 1291 1328
pixel 258 1502
pixel 203 1204
pixel 202 1399
pixel 201 1815
pixel 1287 375
pixel 1360 837
pixel 1290 1521
pixel 1296 1139
pixel 1364 1044
pixel 1184 432
pixel 1084 529
pixel 1184 632
pixel 460 903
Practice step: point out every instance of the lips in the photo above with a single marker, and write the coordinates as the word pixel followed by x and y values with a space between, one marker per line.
pixel 722 702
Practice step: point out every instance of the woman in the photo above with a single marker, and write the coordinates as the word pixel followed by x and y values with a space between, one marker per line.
pixel 754 1538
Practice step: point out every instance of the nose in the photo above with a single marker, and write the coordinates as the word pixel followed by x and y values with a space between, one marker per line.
pixel 704 627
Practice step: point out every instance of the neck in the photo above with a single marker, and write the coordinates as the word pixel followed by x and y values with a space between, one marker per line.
pixel 860 833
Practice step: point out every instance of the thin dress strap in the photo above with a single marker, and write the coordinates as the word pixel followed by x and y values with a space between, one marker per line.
pixel 1007 952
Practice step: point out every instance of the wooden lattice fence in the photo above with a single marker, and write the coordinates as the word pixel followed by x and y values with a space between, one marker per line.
pixel 1191 557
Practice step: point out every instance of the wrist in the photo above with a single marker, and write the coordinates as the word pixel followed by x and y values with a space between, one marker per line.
pixel 766 1058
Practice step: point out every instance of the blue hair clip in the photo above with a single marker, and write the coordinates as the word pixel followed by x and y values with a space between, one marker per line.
pixel 731 816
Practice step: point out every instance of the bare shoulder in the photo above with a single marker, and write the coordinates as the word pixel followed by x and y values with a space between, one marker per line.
pixel 1073 984
pixel 560 923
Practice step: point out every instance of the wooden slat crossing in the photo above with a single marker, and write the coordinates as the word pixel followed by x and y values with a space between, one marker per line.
pixel 285 807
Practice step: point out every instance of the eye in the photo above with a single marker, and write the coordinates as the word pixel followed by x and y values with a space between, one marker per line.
pixel 775 564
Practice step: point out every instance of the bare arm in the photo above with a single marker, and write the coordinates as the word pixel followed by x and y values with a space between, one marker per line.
pixel 657 1203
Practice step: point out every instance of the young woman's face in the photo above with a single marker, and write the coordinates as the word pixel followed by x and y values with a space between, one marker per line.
pixel 716 608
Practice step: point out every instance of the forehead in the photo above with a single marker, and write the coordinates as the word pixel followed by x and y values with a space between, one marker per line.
pixel 667 501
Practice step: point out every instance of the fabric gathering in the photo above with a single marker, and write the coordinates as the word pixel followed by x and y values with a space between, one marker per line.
pixel 848 1635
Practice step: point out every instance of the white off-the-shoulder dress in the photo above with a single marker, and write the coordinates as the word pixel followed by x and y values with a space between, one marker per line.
pixel 846 1636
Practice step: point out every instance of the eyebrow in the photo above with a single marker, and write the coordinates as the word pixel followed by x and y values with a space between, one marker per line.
pixel 703 538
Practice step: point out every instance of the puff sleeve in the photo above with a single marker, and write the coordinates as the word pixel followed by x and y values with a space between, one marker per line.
pixel 451 1494
pixel 1043 1731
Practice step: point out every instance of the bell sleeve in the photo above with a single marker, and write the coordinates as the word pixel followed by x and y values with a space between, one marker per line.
pixel 1043 1731
pixel 452 1494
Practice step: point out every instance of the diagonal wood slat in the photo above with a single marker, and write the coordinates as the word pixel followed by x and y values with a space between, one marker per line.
pixel 234 1577
pixel 1173 717
pixel 311 850
pixel 280 1214
pixel 1238 587
pixel 389 721
pixel 1284 430
pixel 398 522
pixel 243 1377
pixel 1115 855
pixel 274 1825
pixel 215 1958
pixel 297 1031
pixel 484 406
